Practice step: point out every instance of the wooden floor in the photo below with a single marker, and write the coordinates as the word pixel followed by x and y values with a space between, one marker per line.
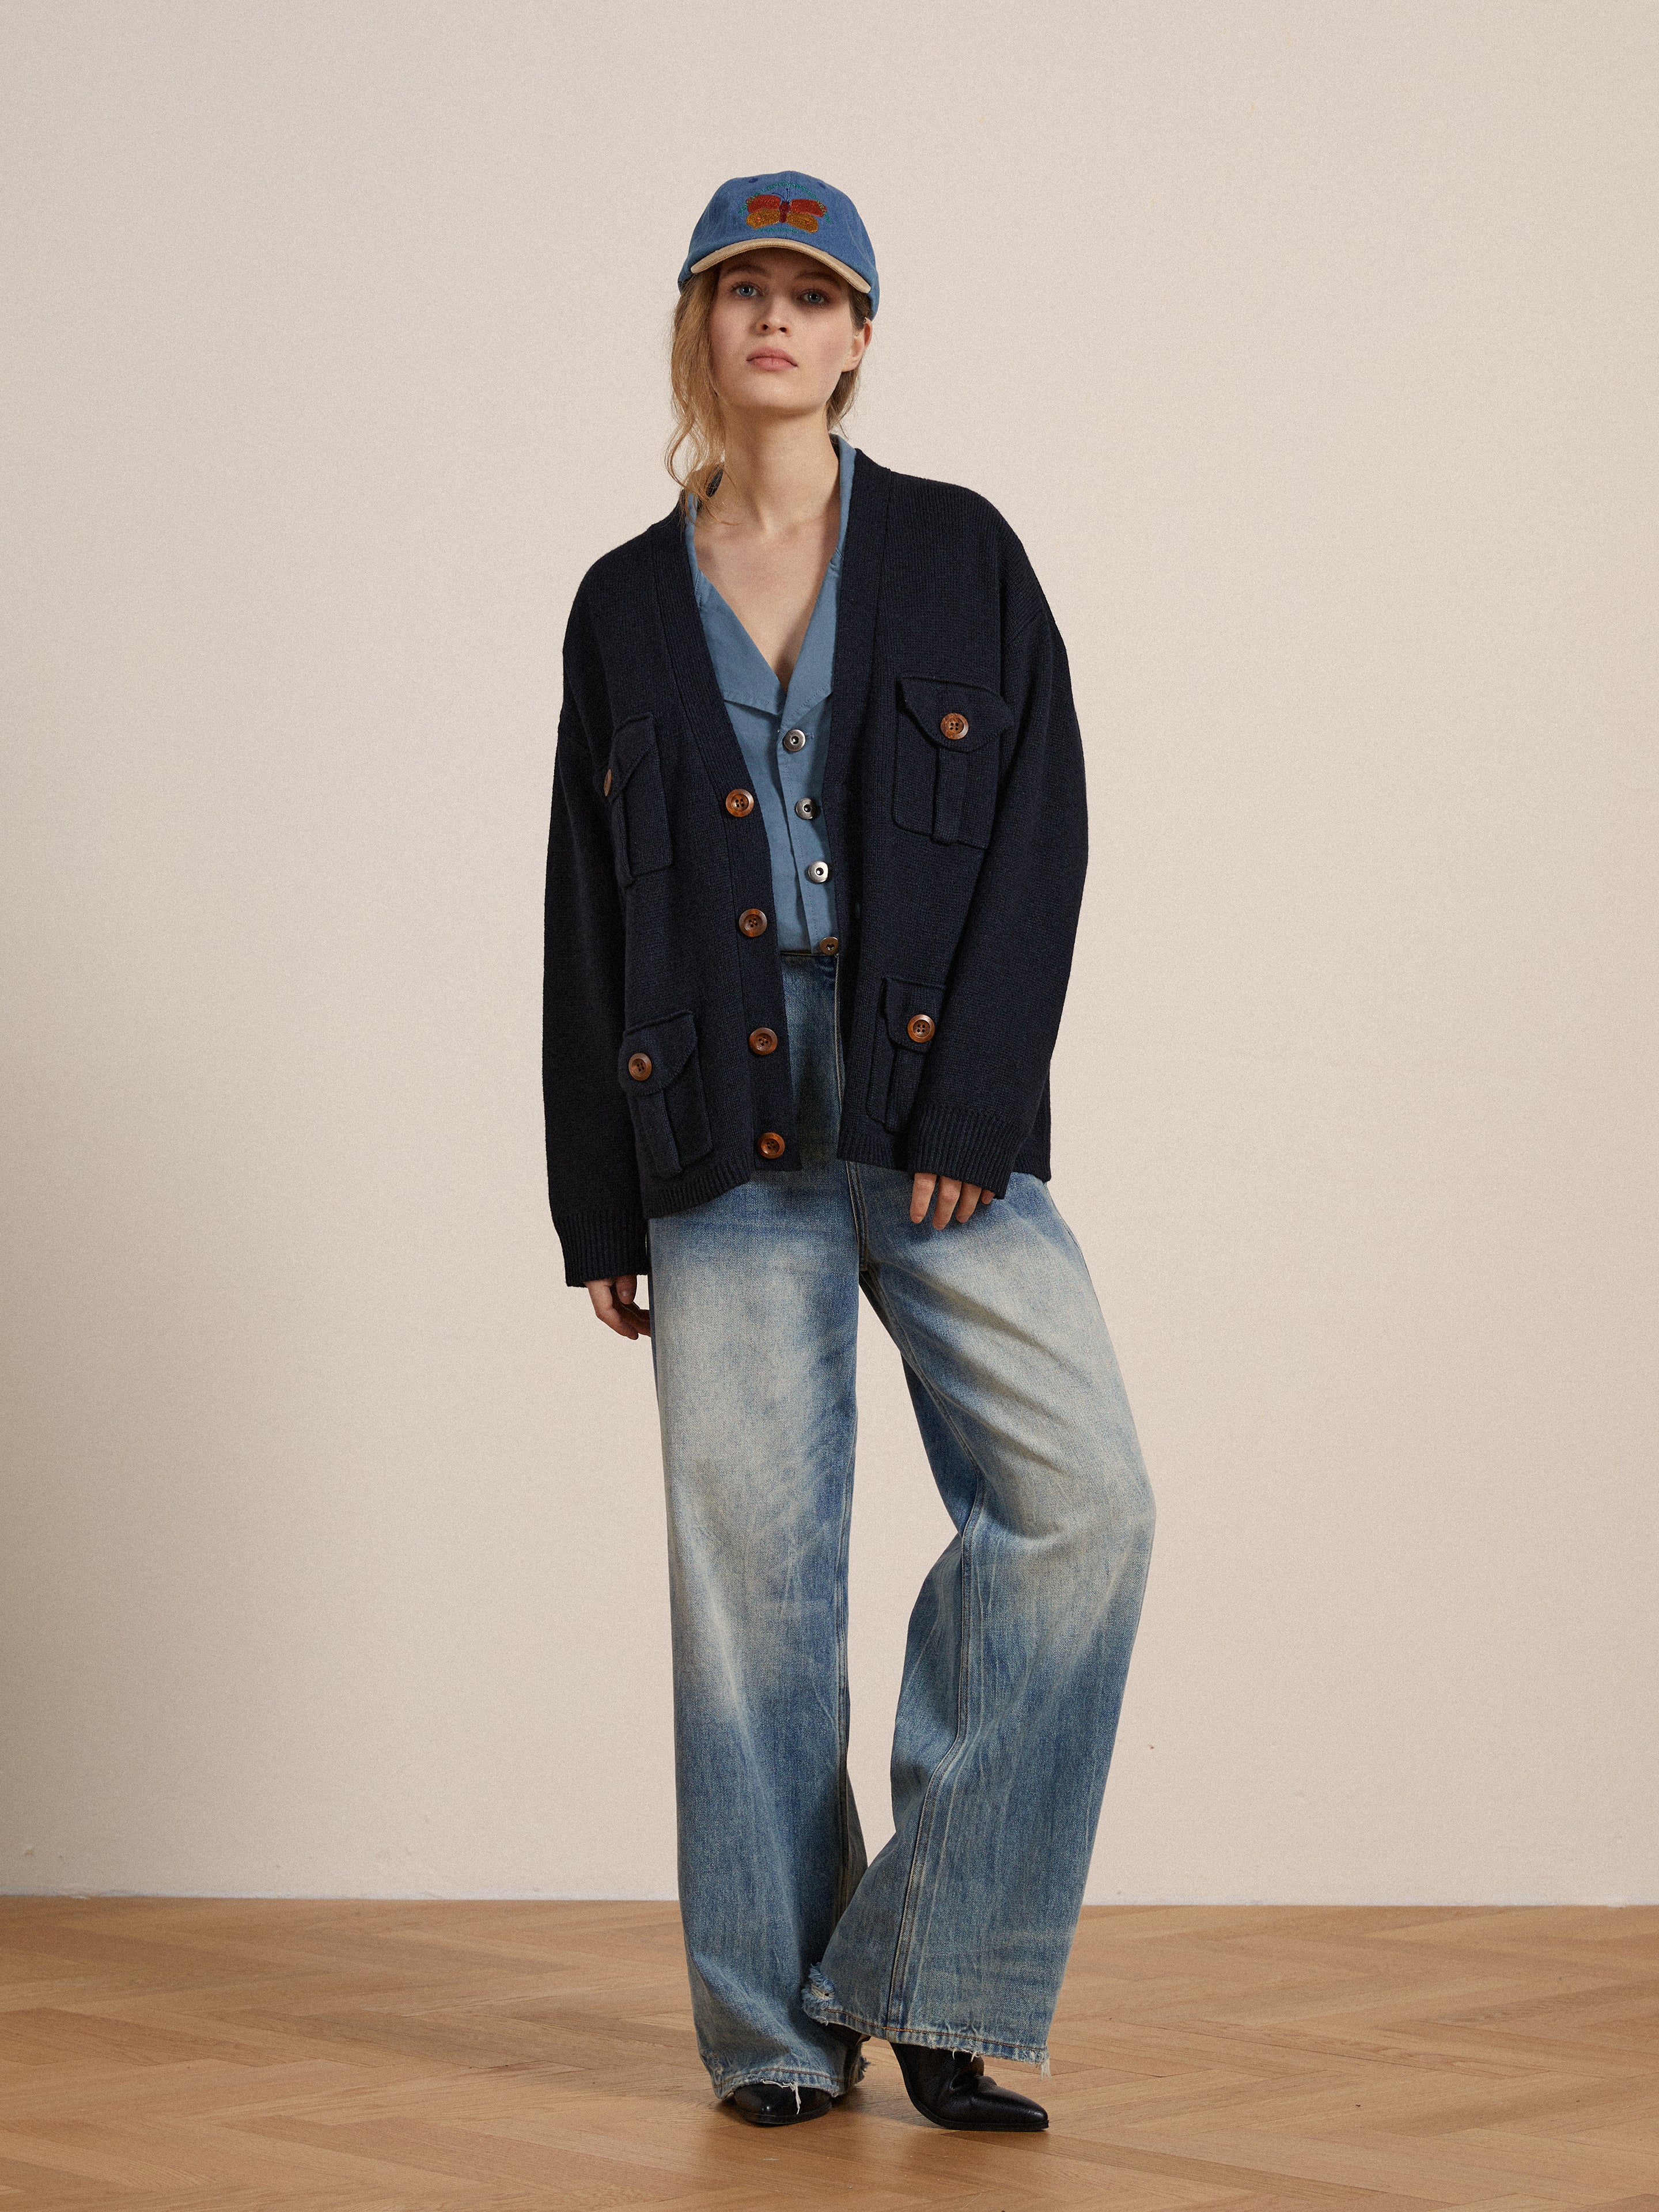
pixel 233 2056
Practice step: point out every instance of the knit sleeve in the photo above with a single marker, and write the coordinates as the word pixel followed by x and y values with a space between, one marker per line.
pixel 982 1083
pixel 592 1176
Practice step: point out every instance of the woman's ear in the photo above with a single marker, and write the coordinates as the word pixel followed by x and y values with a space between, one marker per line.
pixel 860 344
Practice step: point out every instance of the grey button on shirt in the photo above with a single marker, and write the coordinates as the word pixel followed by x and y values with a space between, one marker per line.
pixel 783 731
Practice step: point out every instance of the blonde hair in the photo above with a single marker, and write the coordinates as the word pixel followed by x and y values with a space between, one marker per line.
pixel 699 427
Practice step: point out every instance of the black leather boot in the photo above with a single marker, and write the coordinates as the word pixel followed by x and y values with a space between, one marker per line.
pixel 778 2104
pixel 952 2088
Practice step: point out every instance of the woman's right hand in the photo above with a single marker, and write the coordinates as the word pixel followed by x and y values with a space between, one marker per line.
pixel 613 1304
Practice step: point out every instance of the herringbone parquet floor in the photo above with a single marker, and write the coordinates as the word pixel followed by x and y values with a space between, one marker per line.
pixel 233 2056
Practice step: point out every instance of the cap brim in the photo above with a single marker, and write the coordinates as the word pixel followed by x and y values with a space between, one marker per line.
pixel 790 246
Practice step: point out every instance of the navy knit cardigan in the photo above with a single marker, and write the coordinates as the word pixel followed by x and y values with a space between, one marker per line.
pixel 953 803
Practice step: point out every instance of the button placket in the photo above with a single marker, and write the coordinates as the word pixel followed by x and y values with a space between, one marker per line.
pixel 804 818
pixel 772 1091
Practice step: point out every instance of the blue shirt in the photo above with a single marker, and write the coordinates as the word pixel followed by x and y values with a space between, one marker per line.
pixel 783 731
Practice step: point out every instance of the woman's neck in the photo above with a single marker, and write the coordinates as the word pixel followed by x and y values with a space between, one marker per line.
pixel 777 475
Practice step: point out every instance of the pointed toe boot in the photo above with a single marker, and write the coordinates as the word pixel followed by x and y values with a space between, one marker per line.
pixel 951 2089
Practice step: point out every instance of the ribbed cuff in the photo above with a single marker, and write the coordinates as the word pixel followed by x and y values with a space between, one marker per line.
pixel 601 1244
pixel 948 1141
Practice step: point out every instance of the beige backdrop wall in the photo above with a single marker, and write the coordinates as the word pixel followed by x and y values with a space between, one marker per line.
pixel 1310 348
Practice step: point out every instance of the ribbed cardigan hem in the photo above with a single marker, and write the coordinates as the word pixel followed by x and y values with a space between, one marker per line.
pixel 876 1149
pixel 607 1241
pixel 943 1140
pixel 974 1147
pixel 710 1178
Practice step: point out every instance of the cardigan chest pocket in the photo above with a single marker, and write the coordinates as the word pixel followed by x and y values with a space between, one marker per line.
pixel 631 788
pixel 909 1024
pixel 946 759
pixel 657 1067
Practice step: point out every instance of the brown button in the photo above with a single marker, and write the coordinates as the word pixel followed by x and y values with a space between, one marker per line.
pixel 771 1146
pixel 919 1028
pixel 829 945
pixel 639 1066
pixel 750 921
pixel 739 802
pixel 954 726
pixel 763 1040
pixel 607 783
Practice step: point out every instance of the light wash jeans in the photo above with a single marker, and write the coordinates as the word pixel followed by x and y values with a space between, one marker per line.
pixel 957 1934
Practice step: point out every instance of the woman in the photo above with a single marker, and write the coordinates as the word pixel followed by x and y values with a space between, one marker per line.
pixel 817 851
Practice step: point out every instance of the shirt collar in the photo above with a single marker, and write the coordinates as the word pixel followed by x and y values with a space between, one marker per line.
pixel 747 676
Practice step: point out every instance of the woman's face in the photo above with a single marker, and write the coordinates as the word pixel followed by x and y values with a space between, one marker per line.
pixel 781 333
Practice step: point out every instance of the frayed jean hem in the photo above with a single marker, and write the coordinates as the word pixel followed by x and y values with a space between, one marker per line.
pixel 933 2038
pixel 788 2077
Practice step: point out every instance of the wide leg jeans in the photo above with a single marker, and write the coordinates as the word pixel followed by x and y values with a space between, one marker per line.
pixel 957 1934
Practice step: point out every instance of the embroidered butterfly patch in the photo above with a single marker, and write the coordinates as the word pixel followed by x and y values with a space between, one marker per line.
pixel 766 208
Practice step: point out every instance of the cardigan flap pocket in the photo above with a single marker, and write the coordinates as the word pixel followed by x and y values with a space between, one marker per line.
pixel 909 1023
pixel 629 746
pixel 912 1011
pixel 946 760
pixel 658 1069
pixel 653 1054
pixel 958 718
pixel 633 790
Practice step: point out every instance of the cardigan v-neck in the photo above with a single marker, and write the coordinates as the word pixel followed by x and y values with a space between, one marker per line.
pixel 782 730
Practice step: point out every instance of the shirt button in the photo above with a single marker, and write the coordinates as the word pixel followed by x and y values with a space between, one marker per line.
pixel 770 1145
pixel 806 809
pixel 739 802
pixel 954 726
pixel 750 921
pixel 639 1066
pixel 829 945
pixel 793 740
pixel 919 1028
pixel 818 871
pixel 763 1041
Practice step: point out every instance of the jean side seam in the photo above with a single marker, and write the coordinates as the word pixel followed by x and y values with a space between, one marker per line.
pixel 855 1188
pixel 843 1884
pixel 843 1888
pixel 936 1781
pixel 904 1942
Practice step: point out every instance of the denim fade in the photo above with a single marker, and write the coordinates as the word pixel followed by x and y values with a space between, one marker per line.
pixel 957 1934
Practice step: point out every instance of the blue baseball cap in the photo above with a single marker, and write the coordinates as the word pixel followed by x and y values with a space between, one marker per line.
pixel 784 209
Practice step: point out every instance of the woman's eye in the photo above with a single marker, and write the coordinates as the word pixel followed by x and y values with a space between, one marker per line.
pixel 743 285
pixel 814 299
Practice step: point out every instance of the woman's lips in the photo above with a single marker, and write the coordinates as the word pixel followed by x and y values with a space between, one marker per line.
pixel 771 361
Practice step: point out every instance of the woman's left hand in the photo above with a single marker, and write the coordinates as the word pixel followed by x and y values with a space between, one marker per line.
pixel 956 1202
